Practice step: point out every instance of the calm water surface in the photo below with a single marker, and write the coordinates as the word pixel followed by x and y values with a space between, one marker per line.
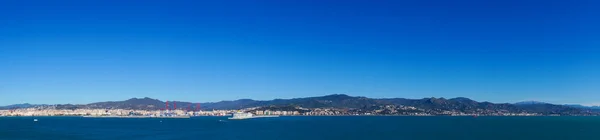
pixel 302 128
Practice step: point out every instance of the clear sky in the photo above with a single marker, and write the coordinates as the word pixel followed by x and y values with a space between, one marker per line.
pixel 84 51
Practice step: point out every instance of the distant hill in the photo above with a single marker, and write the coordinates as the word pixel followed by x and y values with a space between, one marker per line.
pixel 459 104
pixel 583 107
pixel 25 105
pixel 530 103
pixel 133 103
pixel 342 101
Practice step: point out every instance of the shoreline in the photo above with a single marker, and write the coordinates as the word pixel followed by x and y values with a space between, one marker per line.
pixel 159 117
pixel 180 117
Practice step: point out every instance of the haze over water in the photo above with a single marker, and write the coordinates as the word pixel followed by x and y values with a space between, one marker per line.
pixel 303 128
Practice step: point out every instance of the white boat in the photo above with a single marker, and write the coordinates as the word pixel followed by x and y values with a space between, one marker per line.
pixel 241 115
pixel 35 120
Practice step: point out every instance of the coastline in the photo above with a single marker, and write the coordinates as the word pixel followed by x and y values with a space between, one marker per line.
pixel 174 117
pixel 185 117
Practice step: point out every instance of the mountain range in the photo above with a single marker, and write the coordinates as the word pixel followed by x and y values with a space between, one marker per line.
pixel 569 105
pixel 530 103
pixel 341 101
pixel 25 105
pixel 583 107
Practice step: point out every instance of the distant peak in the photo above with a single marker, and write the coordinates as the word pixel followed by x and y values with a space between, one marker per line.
pixel 337 95
pixel 334 97
pixel 244 100
pixel 145 98
pixel 530 103
pixel 433 98
pixel 461 99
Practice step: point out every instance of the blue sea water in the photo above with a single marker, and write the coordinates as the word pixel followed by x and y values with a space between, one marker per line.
pixel 302 128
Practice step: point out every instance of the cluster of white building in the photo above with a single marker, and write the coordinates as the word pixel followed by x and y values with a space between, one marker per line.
pixel 105 112
pixel 255 111
pixel 280 113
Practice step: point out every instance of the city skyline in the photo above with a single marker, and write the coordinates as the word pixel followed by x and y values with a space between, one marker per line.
pixel 503 52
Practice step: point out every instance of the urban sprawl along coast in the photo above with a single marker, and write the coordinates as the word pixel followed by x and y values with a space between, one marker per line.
pixel 387 110
pixel 329 105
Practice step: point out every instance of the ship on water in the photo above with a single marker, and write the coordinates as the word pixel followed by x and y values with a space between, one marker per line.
pixel 242 115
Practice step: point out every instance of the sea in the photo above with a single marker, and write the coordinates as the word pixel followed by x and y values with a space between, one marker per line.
pixel 302 128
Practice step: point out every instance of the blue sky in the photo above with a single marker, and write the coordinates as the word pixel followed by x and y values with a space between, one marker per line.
pixel 99 50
